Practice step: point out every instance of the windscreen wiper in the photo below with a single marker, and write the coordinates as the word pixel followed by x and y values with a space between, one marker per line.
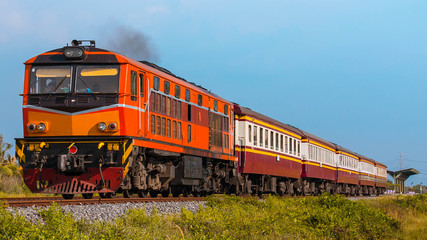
pixel 56 88
pixel 88 89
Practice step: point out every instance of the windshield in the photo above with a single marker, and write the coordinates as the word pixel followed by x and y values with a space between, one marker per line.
pixel 97 79
pixel 50 79
pixel 60 79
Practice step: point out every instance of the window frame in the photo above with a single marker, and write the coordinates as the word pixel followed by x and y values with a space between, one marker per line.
pixel 166 87
pixel 266 138
pixel 249 133
pixel 255 135
pixel 187 95
pixel 156 83
pixel 200 99
pixel 133 85
pixel 177 91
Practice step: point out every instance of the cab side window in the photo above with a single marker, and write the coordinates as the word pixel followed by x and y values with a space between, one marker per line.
pixel 133 85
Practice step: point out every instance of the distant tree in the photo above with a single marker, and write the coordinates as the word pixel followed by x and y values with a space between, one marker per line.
pixel 5 157
pixel 390 185
pixel 417 188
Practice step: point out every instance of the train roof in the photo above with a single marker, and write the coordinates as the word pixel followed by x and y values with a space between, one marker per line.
pixel 345 150
pixel 305 135
pixel 166 71
pixel 366 158
pixel 96 55
pixel 381 164
pixel 315 138
pixel 249 112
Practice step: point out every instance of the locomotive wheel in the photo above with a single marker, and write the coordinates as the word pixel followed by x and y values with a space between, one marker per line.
pixel 176 194
pixel 87 195
pixel 186 192
pixel 106 195
pixel 127 193
pixel 165 194
pixel 142 193
pixel 153 193
pixel 68 196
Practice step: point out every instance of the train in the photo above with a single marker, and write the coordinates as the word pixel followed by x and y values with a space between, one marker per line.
pixel 98 122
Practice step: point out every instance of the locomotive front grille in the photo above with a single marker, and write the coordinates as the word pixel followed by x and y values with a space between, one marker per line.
pixel 83 99
pixel 74 186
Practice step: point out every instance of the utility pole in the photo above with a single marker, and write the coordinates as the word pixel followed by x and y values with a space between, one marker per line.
pixel 401 161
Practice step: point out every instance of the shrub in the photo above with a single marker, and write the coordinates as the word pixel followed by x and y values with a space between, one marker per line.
pixel 11 181
pixel 307 218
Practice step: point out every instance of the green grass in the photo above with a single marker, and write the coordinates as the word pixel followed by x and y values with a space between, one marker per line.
pixel 225 217
pixel 325 217
pixel 410 211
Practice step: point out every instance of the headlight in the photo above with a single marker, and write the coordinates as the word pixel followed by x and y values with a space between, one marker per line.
pixel 41 127
pixel 112 126
pixel 102 126
pixel 74 52
pixel 32 127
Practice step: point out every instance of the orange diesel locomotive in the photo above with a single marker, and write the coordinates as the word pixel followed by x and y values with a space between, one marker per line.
pixel 98 122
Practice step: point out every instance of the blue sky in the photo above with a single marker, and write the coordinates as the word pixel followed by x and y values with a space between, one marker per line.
pixel 351 72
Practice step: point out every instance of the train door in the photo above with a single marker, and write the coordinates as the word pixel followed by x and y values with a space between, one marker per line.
pixel 242 152
pixel 141 102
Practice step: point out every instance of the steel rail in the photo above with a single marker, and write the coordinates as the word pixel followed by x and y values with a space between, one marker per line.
pixel 31 202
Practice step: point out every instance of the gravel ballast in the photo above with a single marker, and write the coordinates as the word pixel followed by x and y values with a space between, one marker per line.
pixel 109 211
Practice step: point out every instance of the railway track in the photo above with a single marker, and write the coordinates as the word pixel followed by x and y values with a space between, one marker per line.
pixel 46 201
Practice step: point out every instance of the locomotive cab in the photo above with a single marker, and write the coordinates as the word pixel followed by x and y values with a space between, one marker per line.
pixel 72 133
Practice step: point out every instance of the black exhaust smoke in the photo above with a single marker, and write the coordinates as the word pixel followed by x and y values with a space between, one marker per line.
pixel 132 43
